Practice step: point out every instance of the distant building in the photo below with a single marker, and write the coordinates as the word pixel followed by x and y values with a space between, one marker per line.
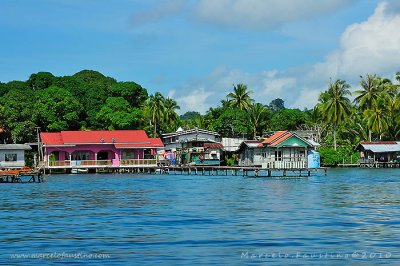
pixel 231 144
pixel 382 151
pixel 13 155
pixel 194 146
pixel 283 149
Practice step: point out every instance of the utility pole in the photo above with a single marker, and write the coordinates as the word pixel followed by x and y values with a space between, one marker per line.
pixel 39 146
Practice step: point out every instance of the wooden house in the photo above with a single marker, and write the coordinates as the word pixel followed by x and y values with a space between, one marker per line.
pixel 13 155
pixel 283 149
pixel 382 151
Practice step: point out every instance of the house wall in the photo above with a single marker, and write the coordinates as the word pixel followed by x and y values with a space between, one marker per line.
pixel 266 156
pixel 20 162
pixel 113 153
pixel 173 141
pixel 210 152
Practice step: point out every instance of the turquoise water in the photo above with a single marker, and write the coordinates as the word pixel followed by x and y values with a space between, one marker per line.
pixel 350 216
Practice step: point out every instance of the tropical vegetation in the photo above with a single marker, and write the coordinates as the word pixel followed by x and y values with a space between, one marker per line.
pixel 87 100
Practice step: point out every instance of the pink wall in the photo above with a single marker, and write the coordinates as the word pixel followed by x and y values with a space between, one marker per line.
pixel 113 153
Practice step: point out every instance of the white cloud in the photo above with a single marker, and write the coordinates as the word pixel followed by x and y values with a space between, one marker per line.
pixel 197 100
pixel 372 46
pixel 261 14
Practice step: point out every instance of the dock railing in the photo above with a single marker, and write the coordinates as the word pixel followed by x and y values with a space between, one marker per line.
pixel 285 162
pixel 138 162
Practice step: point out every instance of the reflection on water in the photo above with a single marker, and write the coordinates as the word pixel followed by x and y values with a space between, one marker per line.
pixel 181 219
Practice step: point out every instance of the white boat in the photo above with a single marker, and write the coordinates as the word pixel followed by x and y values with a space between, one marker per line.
pixel 79 171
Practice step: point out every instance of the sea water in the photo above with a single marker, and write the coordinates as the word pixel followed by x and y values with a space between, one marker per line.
pixel 349 216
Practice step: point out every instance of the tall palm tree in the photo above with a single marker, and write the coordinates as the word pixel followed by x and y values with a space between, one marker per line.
pixel 373 89
pixel 336 107
pixel 377 119
pixel 240 97
pixel 393 116
pixel 257 113
pixel 155 104
pixel 170 116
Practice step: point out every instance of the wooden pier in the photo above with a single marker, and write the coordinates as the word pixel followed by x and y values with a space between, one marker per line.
pixel 248 171
pixel 372 164
pixel 239 171
pixel 24 175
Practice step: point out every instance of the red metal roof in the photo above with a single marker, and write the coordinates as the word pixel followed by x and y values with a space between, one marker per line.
pixel 274 137
pixel 277 138
pixel 125 137
pixel 52 138
pixel 213 146
pixel 112 136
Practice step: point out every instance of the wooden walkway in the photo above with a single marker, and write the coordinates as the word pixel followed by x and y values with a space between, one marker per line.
pixel 372 165
pixel 23 175
pixel 203 170
pixel 243 171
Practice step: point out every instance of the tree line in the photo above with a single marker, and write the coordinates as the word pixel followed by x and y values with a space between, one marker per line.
pixel 89 100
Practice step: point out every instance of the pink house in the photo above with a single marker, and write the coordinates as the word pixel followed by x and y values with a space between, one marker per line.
pixel 91 149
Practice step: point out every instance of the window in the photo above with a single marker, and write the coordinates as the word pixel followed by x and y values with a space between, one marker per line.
pixel 278 155
pixel 81 155
pixel 11 157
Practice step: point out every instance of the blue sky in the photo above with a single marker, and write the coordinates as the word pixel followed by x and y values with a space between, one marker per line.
pixel 195 50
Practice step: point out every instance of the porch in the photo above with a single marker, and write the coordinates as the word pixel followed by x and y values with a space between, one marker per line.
pixel 66 164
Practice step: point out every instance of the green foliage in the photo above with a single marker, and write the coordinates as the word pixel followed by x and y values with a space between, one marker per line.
pixel 130 91
pixel 332 157
pixel 288 119
pixel 190 115
pixel 95 89
pixel 259 116
pixel 55 109
pixel 276 105
pixel 90 100
pixel 230 161
pixel 240 97
pixel 162 114
pixel 41 80
pixel 17 114
pixel 233 123
pixel 117 113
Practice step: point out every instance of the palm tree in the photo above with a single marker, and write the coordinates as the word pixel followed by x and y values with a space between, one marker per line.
pixel 256 113
pixel 377 119
pixel 336 106
pixel 155 104
pixel 373 89
pixel 393 116
pixel 240 97
pixel 170 116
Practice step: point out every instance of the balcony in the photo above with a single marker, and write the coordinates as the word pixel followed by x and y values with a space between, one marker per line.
pixel 102 163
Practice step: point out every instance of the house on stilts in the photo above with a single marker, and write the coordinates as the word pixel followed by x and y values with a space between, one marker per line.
pixel 281 150
pixel 99 149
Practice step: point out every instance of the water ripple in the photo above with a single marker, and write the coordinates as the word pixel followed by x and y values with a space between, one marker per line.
pixel 203 220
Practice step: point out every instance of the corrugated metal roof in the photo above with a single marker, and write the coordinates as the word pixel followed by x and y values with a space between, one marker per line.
pixel 251 143
pixel 14 147
pixel 381 147
pixel 314 143
pixel 213 146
